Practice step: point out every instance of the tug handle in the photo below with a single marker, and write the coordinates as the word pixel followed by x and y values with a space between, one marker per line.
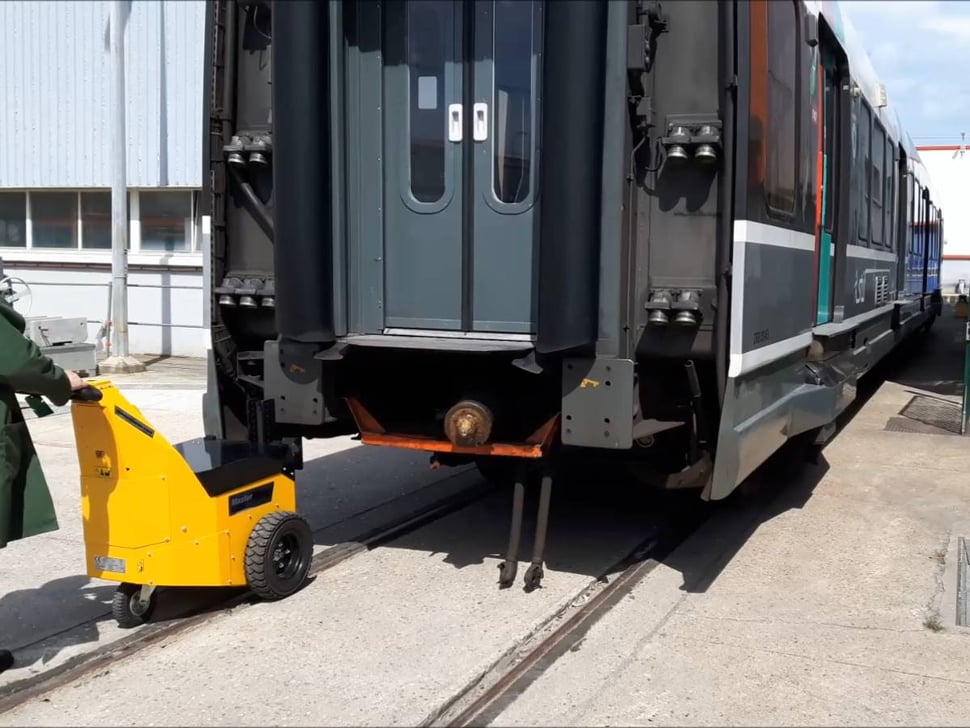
pixel 87 394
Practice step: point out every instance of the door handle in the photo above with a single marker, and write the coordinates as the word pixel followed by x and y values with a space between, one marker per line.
pixel 454 123
pixel 480 119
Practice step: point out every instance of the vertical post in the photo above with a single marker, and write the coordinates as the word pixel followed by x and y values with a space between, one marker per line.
pixel 119 184
pixel 120 359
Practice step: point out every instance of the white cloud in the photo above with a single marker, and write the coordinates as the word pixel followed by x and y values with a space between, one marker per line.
pixel 917 48
pixel 955 27
pixel 909 9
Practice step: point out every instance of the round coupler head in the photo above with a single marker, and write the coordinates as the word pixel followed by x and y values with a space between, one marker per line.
pixel 468 424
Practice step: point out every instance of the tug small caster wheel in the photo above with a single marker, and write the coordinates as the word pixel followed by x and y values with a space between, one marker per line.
pixel 278 555
pixel 127 606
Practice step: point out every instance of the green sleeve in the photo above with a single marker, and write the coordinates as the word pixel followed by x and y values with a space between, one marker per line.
pixel 25 369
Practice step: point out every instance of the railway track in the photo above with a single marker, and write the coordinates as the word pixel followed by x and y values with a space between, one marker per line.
pixel 478 701
pixel 484 699
pixel 16 692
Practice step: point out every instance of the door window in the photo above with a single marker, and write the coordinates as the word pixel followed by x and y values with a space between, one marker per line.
pixel 829 131
pixel 514 40
pixel 430 45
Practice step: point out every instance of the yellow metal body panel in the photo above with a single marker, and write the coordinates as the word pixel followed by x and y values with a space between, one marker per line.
pixel 147 517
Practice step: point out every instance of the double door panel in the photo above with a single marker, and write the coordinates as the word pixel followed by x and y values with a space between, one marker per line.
pixel 460 128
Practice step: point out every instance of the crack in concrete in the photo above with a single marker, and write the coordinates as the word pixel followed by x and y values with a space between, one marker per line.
pixel 935 604
pixel 832 660
pixel 801 623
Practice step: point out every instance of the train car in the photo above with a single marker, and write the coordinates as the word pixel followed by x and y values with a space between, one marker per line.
pixel 660 237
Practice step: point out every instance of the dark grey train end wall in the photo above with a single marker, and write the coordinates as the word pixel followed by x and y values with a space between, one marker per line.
pixel 676 207
pixel 237 103
pixel 660 222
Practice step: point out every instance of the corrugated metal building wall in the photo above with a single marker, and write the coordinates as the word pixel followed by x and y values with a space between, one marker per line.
pixel 56 71
pixel 55 163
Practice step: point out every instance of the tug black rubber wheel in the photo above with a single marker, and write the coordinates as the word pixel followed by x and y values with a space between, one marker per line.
pixel 126 607
pixel 278 555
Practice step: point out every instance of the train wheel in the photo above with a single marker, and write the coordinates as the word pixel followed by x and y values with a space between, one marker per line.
pixel 278 555
pixel 127 607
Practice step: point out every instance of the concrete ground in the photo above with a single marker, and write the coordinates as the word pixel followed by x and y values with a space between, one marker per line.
pixel 824 598
pixel 50 611
pixel 832 602
pixel 383 638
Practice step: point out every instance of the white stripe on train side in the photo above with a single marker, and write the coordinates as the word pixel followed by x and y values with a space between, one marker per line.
pixel 859 251
pixel 757 233
pixel 750 232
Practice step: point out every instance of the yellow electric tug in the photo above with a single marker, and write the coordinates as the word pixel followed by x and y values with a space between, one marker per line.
pixel 201 513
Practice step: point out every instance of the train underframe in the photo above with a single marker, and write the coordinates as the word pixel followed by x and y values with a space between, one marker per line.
pixel 511 414
pixel 502 412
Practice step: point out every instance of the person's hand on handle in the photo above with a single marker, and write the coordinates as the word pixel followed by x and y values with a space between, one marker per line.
pixel 77 383
pixel 81 389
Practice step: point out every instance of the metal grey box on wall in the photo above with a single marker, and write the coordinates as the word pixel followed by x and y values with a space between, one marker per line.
pixel 56 330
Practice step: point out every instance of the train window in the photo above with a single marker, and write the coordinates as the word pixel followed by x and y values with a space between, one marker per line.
pixel 876 170
pixel 830 132
pixel 514 51
pixel 921 208
pixel 910 191
pixel 914 212
pixel 782 143
pixel 430 29
pixel 889 200
pixel 863 167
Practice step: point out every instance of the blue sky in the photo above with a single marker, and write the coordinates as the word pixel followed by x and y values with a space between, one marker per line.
pixel 920 50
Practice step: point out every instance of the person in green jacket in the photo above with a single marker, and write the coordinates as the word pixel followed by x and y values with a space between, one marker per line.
pixel 26 506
